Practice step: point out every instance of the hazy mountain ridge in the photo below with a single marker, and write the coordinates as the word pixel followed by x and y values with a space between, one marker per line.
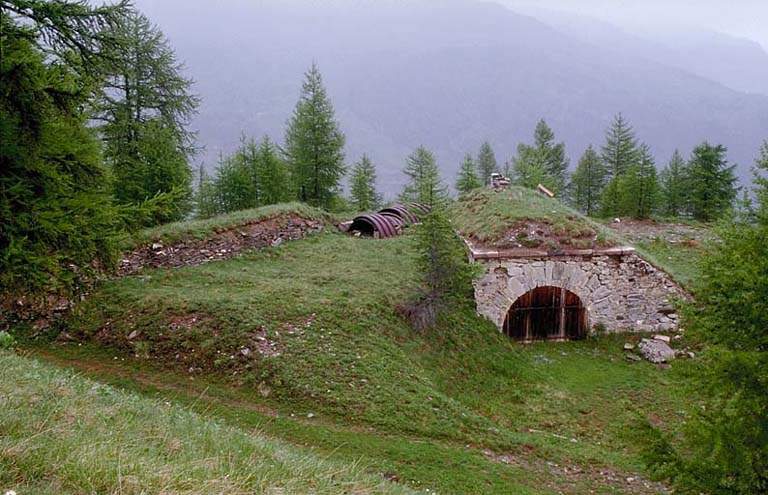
pixel 446 78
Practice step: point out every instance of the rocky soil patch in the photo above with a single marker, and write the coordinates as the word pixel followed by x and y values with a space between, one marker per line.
pixel 636 231
pixel 223 244
pixel 575 475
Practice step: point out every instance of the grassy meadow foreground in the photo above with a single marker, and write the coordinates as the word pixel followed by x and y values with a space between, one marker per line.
pixel 289 370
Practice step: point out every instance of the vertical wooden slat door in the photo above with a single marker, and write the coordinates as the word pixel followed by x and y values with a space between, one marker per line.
pixel 546 313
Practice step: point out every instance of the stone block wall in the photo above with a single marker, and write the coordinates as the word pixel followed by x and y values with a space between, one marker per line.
pixel 624 292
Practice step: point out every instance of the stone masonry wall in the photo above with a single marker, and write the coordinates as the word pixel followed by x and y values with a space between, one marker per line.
pixel 623 292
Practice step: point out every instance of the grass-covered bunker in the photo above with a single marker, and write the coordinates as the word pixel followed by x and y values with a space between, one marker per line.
pixel 551 274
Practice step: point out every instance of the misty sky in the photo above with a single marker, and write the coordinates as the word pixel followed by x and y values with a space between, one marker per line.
pixel 743 18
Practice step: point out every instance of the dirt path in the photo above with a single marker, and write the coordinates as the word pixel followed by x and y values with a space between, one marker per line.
pixel 565 479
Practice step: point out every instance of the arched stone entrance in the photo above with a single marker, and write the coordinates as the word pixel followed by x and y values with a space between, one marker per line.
pixel 546 313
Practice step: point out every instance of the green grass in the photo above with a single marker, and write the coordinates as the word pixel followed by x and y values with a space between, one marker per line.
pixel 680 261
pixel 200 229
pixel 506 218
pixel 63 434
pixel 429 406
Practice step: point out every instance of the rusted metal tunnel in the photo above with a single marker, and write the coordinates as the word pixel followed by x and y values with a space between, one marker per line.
pixel 546 314
pixel 388 222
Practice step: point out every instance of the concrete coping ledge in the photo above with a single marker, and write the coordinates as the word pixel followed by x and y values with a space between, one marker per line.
pixel 493 254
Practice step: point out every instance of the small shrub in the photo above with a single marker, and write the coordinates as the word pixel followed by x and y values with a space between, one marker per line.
pixel 6 340
pixel 598 330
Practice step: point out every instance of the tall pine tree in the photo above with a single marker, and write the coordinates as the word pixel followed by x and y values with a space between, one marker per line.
pixel 542 163
pixel 424 184
pixel 711 184
pixel 639 186
pixel 486 163
pixel 674 189
pixel 467 179
pixel 314 144
pixel 620 149
pixel 618 154
pixel 587 182
pixel 555 162
pixel 363 185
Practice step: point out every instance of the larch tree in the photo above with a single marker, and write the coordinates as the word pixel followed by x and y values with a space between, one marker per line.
pixel 236 181
pixel 467 179
pixel 424 183
pixel 206 204
pixel 555 162
pixel 760 182
pixel 273 179
pixel 144 110
pixel 587 182
pixel 364 196
pixel 711 184
pixel 57 218
pixel 314 144
pixel 620 148
pixel 528 167
pixel 639 186
pixel 724 449
pixel 544 162
pixel 486 163
pixel 446 276
pixel 674 189
pixel 618 153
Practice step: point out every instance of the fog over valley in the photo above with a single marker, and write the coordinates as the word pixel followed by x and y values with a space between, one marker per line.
pixel 451 75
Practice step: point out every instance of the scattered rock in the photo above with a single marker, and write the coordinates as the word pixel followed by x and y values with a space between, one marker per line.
pixel 133 334
pixel 310 415
pixel 664 338
pixel 264 389
pixel 390 476
pixel 245 351
pixel 656 351
pixel 632 357
pixel 629 346
pixel 224 244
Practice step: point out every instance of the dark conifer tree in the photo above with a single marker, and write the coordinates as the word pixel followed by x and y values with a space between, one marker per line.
pixel 57 218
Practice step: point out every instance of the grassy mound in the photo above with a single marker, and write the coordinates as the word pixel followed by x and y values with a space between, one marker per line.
pixel 523 218
pixel 309 328
pixel 63 434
